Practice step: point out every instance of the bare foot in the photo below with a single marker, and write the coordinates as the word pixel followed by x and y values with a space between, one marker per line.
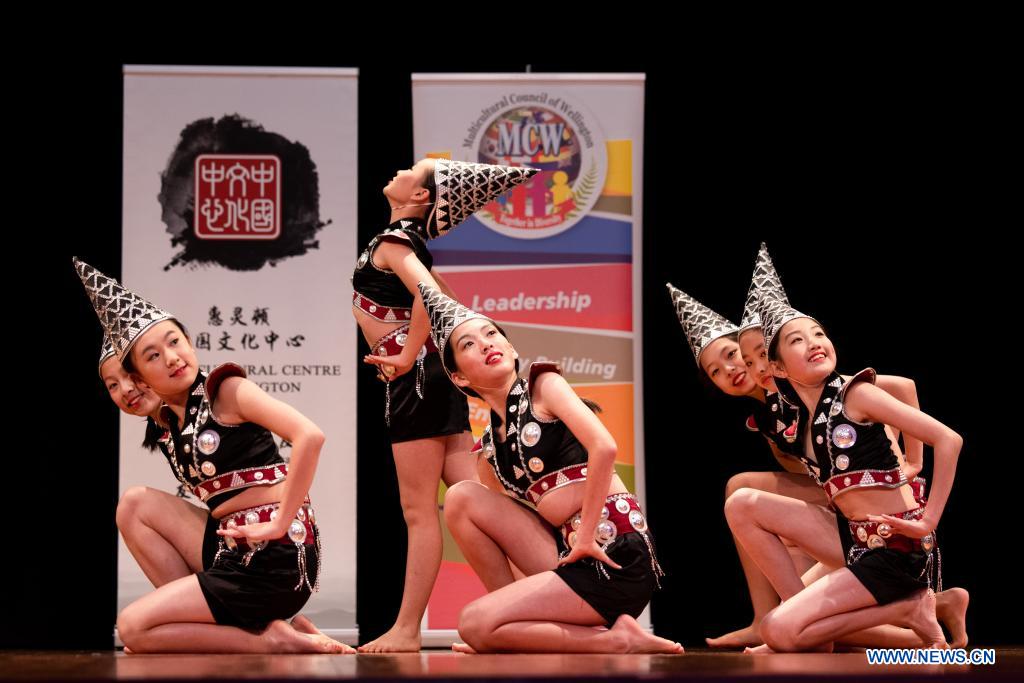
pixel 758 650
pixel 463 648
pixel 920 617
pixel 951 610
pixel 285 639
pixel 304 625
pixel 744 637
pixel 395 640
pixel 637 640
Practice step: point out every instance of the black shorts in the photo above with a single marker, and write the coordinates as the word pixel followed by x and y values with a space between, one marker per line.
pixel 443 409
pixel 252 597
pixel 891 575
pixel 845 537
pixel 626 590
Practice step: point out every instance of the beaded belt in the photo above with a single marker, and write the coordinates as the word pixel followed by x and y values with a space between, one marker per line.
pixel 391 344
pixel 301 533
pixel 620 515
pixel 871 535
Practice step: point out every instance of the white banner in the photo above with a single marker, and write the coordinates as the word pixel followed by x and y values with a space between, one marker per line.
pixel 240 218
pixel 557 260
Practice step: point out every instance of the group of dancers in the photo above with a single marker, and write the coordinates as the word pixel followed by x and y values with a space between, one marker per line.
pixel 837 549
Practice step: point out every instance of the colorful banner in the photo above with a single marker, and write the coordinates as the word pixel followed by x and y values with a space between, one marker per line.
pixel 557 260
pixel 240 218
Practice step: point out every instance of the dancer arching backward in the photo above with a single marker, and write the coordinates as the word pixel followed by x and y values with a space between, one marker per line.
pixel 427 418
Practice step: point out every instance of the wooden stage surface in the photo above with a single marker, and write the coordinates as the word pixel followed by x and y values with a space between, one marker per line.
pixel 443 665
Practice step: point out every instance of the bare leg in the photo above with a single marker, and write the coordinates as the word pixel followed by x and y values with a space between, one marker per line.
pixel 419 465
pixel 493 530
pixel 951 610
pixel 540 613
pixel 164 533
pixel 762 595
pixel 839 605
pixel 459 461
pixel 758 520
pixel 176 618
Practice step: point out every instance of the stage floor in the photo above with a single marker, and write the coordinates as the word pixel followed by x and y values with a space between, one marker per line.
pixel 439 665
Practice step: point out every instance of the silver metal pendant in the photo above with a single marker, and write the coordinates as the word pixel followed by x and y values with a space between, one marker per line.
pixel 842 462
pixel 862 534
pixel 637 520
pixel 530 434
pixel 572 539
pixel 884 530
pixel 208 468
pixel 400 339
pixel 604 512
pixel 297 532
pixel 844 436
pixel 836 408
pixel 363 258
pixel 536 464
pixel 605 532
pixel 301 514
pixel 622 505
pixel 252 518
pixel 927 543
pixel 875 542
pixel 208 442
pixel 575 523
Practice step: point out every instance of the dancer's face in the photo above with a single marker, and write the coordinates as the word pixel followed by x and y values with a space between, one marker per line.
pixel 723 362
pixel 805 354
pixel 484 358
pixel 130 395
pixel 165 360
pixel 755 356
pixel 407 187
